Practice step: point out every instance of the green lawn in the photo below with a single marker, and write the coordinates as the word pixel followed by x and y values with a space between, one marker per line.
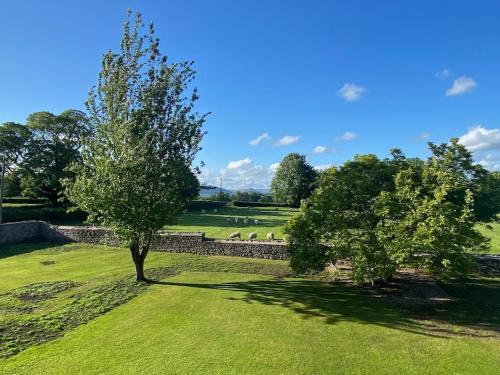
pixel 216 225
pixel 221 315
pixel 492 231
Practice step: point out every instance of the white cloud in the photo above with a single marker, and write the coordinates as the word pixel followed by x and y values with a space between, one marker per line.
pixel 239 163
pixel 288 140
pixel 351 92
pixel 347 136
pixel 240 174
pixel 491 162
pixel 461 85
pixel 320 149
pixel 260 138
pixel 274 167
pixel 423 137
pixel 480 138
pixel 485 143
pixel 322 167
pixel 445 73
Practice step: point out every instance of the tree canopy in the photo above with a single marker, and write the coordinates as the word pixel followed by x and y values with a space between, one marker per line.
pixel 136 174
pixel 386 214
pixel 294 180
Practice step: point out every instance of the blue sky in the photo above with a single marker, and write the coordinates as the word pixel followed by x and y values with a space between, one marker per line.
pixel 349 76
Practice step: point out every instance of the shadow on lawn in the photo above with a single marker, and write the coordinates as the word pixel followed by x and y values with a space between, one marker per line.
pixel 24 248
pixel 331 302
pixel 472 310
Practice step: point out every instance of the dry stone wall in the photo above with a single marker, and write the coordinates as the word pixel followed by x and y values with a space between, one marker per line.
pixel 195 242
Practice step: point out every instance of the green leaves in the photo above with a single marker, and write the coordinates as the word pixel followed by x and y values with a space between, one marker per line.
pixel 387 214
pixel 294 180
pixel 136 175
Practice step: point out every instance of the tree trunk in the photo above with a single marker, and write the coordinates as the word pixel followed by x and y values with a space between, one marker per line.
pixel 139 254
pixel 139 270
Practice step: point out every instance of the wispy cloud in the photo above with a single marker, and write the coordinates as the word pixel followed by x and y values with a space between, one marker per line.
pixel 347 136
pixel 461 85
pixel 445 73
pixel 260 138
pixel 320 149
pixel 351 92
pixel 423 137
pixel 288 140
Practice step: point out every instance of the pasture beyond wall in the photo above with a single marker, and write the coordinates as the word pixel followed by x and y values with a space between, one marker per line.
pixel 195 242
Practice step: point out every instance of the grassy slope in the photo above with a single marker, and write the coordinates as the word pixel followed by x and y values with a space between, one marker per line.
pixel 216 224
pixel 231 323
pixel 494 234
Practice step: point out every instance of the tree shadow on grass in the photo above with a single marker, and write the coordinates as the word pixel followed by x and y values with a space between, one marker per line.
pixel 331 302
pixel 24 248
pixel 474 306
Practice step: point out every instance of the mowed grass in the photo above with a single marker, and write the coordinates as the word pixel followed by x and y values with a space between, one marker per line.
pixel 492 231
pixel 223 315
pixel 216 224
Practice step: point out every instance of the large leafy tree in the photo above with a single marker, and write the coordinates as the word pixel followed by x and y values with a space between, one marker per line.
pixel 294 180
pixel 53 145
pixel 391 213
pixel 136 174
pixel 13 138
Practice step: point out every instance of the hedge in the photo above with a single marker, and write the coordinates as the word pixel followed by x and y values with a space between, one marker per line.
pixel 205 205
pixel 258 204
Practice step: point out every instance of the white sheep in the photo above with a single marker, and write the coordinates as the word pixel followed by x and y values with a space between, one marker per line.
pixel 234 235
pixel 252 236
pixel 270 236
pixel 256 222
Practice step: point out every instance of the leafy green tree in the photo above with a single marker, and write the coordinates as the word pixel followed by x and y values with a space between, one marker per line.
pixel 340 222
pixel 54 144
pixel 294 180
pixel 487 197
pixel 13 138
pixel 387 214
pixel 136 173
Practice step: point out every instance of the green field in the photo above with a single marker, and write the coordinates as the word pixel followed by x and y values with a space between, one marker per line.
pixel 222 315
pixel 492 231
pixel 216 225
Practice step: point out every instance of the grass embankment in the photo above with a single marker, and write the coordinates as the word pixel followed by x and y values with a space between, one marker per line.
pixel 222 315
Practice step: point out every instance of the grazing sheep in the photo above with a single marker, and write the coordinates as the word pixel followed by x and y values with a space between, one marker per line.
pixel 252 236
pixel 234 235
pixel 256 222
pixel 270 236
